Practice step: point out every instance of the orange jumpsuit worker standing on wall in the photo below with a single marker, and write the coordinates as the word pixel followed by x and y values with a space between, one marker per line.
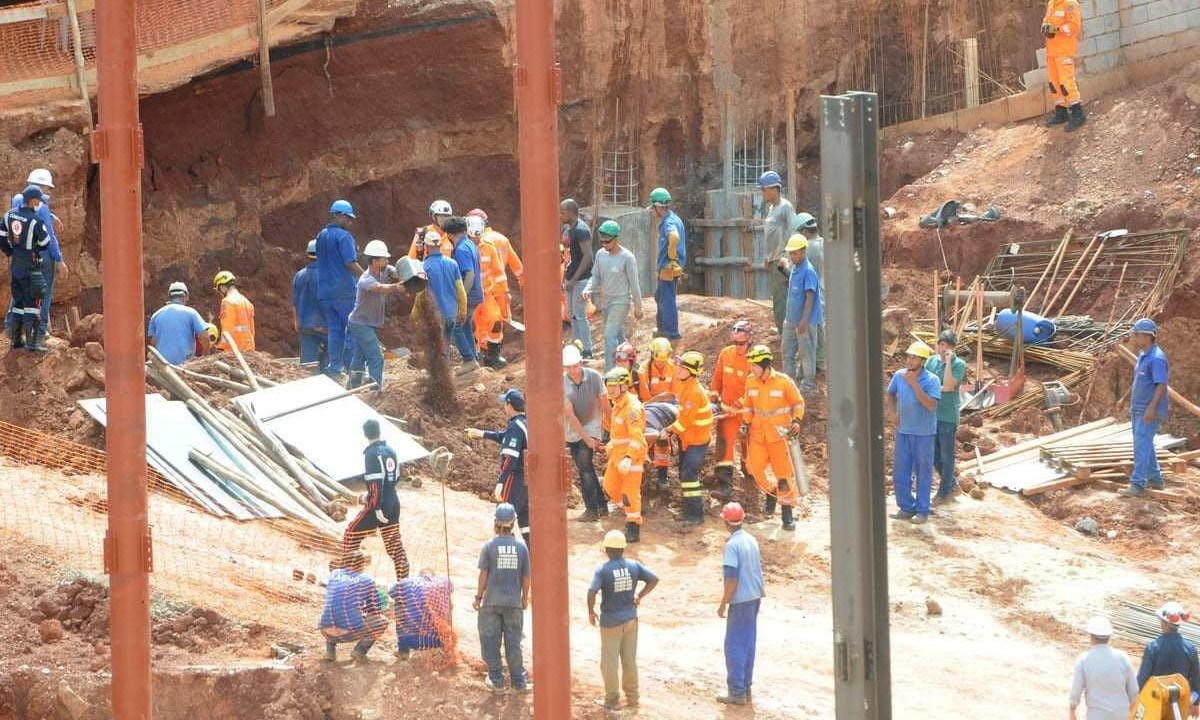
pixel 626 450
pixel 1063 29
pixel 773 408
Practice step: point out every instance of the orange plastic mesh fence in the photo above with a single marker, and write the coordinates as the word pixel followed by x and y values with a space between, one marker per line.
pixel 265 573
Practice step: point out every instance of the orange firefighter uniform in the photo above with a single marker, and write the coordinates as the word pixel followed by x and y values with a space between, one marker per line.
pixel 1063 28
pixel 728 386
pixel 627 439
pixel 770 405
pixel 509 262
pixel 237 319
pixel 488 318
pixel 417 251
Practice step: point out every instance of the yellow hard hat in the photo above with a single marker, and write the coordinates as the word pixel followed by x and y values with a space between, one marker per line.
pixel 615 539
pixel 796 242
pixel 660 348
pixel 920 350
pixel 758 353
pixel 617 376
pixel 691 360
pixel 223 278
pixel 212 332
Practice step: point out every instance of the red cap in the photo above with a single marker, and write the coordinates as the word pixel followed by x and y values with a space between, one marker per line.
pixel 733 513
pixel 478 213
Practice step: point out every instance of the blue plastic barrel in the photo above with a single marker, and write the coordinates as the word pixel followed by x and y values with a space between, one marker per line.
pixel 1034 328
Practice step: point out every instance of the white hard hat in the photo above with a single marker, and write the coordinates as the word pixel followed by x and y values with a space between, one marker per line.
pixel 571 356
pixel 1172 613
pixel 1099 626
pixel 475 226
pixel 432 238
pixel 41 176
pixel 440 207
pixel 376 249
pixel 177 288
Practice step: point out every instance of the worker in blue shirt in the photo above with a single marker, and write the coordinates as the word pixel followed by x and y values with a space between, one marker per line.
pixel 513 441
pixel 354 609
pixel 466 256
pixel 307 318
pixel 449 295
pixel 1147 407
pixel 740 603
pixel 616 581
pixel 914 393
pixel 52 259
pixel 176 330
pixel 1170 654
pixel 23 238
pixel 803 316
pixel 672 257
pixel 338 272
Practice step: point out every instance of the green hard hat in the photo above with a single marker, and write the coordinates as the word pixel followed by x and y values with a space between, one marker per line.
pixel 660 196
pixel 804 221
pixel 610 228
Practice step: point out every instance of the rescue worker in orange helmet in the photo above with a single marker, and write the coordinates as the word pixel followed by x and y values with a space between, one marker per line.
pixel 694 429
pixel 439 212
pixel 488 318
pixel 1063 29
pixel 237 313
pixel 773 408
pixel 626 450
pixel 656 383
pixel 728 386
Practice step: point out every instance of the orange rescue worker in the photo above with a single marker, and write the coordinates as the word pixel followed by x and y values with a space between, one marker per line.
pixel 656 383
pixel 624 357
pixel 773 408
pixel 439 210
pixel 626 450
pixel 728 386
pixel 1063 28
pixel 237 313
pixel 509 262
pixel 488 319
pixel 694 428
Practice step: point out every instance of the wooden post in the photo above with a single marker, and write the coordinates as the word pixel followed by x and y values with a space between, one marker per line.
pixel 793 184
pixel 80 67
pixel 971 70
pixel 264 60
pixel 925 59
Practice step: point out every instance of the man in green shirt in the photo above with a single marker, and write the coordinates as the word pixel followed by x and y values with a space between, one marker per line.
pixel 950 371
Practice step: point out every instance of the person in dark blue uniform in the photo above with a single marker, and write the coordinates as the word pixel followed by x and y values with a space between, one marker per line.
pixel 24 237
pixel 381 505
pixel 1171 654
pixel 514 441
pixel 308 320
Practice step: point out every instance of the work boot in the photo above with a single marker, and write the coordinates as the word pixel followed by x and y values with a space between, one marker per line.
pixel 731 699
pixel 1059 117
pixel 1133 491
pixel 330 651
pixel 16 333
pixel 1076 119
pixel 355 379
pixel 1158 484
pixel 37 337
pixel 769 505
pixel 660 480
pixel 468 367
pixel 633 532
pixel 693 511
pixel 788 522
pixel 902 515
pixel 588 516
pixel 494 359
pixel 724 491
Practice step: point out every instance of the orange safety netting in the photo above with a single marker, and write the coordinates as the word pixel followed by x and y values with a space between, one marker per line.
pixel 261 573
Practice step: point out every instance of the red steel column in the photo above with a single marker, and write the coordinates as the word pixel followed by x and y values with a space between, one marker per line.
pixel 538 90
pixel 117 146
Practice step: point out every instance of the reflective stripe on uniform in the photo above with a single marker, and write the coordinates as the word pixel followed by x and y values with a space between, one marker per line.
pixel 373 476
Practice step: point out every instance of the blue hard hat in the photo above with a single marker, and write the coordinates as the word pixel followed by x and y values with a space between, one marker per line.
pixel 1145 326
pixel 506 514
pixel 769 179
pixel 33 192
pixel 342 207
pixel 513 397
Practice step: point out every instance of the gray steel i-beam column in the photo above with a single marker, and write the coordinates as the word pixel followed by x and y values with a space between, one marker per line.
pixel 850 215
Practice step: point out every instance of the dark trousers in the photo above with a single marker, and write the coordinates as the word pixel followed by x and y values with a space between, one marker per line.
pixel 589 484
pixel 944 446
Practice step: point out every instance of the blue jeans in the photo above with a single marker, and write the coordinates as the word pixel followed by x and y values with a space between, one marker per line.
pixel 581 330
pixel 944 447
pixel 470 325
pixel 800 356
pixel 741 636
pixel 48 269
pixel 1145 459
pixel 615 316
pixel 914 454
pixel 498 624
pixel 666 317
pixel 589 485
pixel 366 351
pixel 456 334
pixel 312 348
pixel 337 314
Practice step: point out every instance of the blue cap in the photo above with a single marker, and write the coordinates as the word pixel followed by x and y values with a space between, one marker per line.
pixel 1145 326
pixel 32 192
pixel 506 514
pixel 769 179
pixel 513 397
pixel 342 207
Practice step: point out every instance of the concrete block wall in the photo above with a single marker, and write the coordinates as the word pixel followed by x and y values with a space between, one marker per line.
pixel 1117 32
